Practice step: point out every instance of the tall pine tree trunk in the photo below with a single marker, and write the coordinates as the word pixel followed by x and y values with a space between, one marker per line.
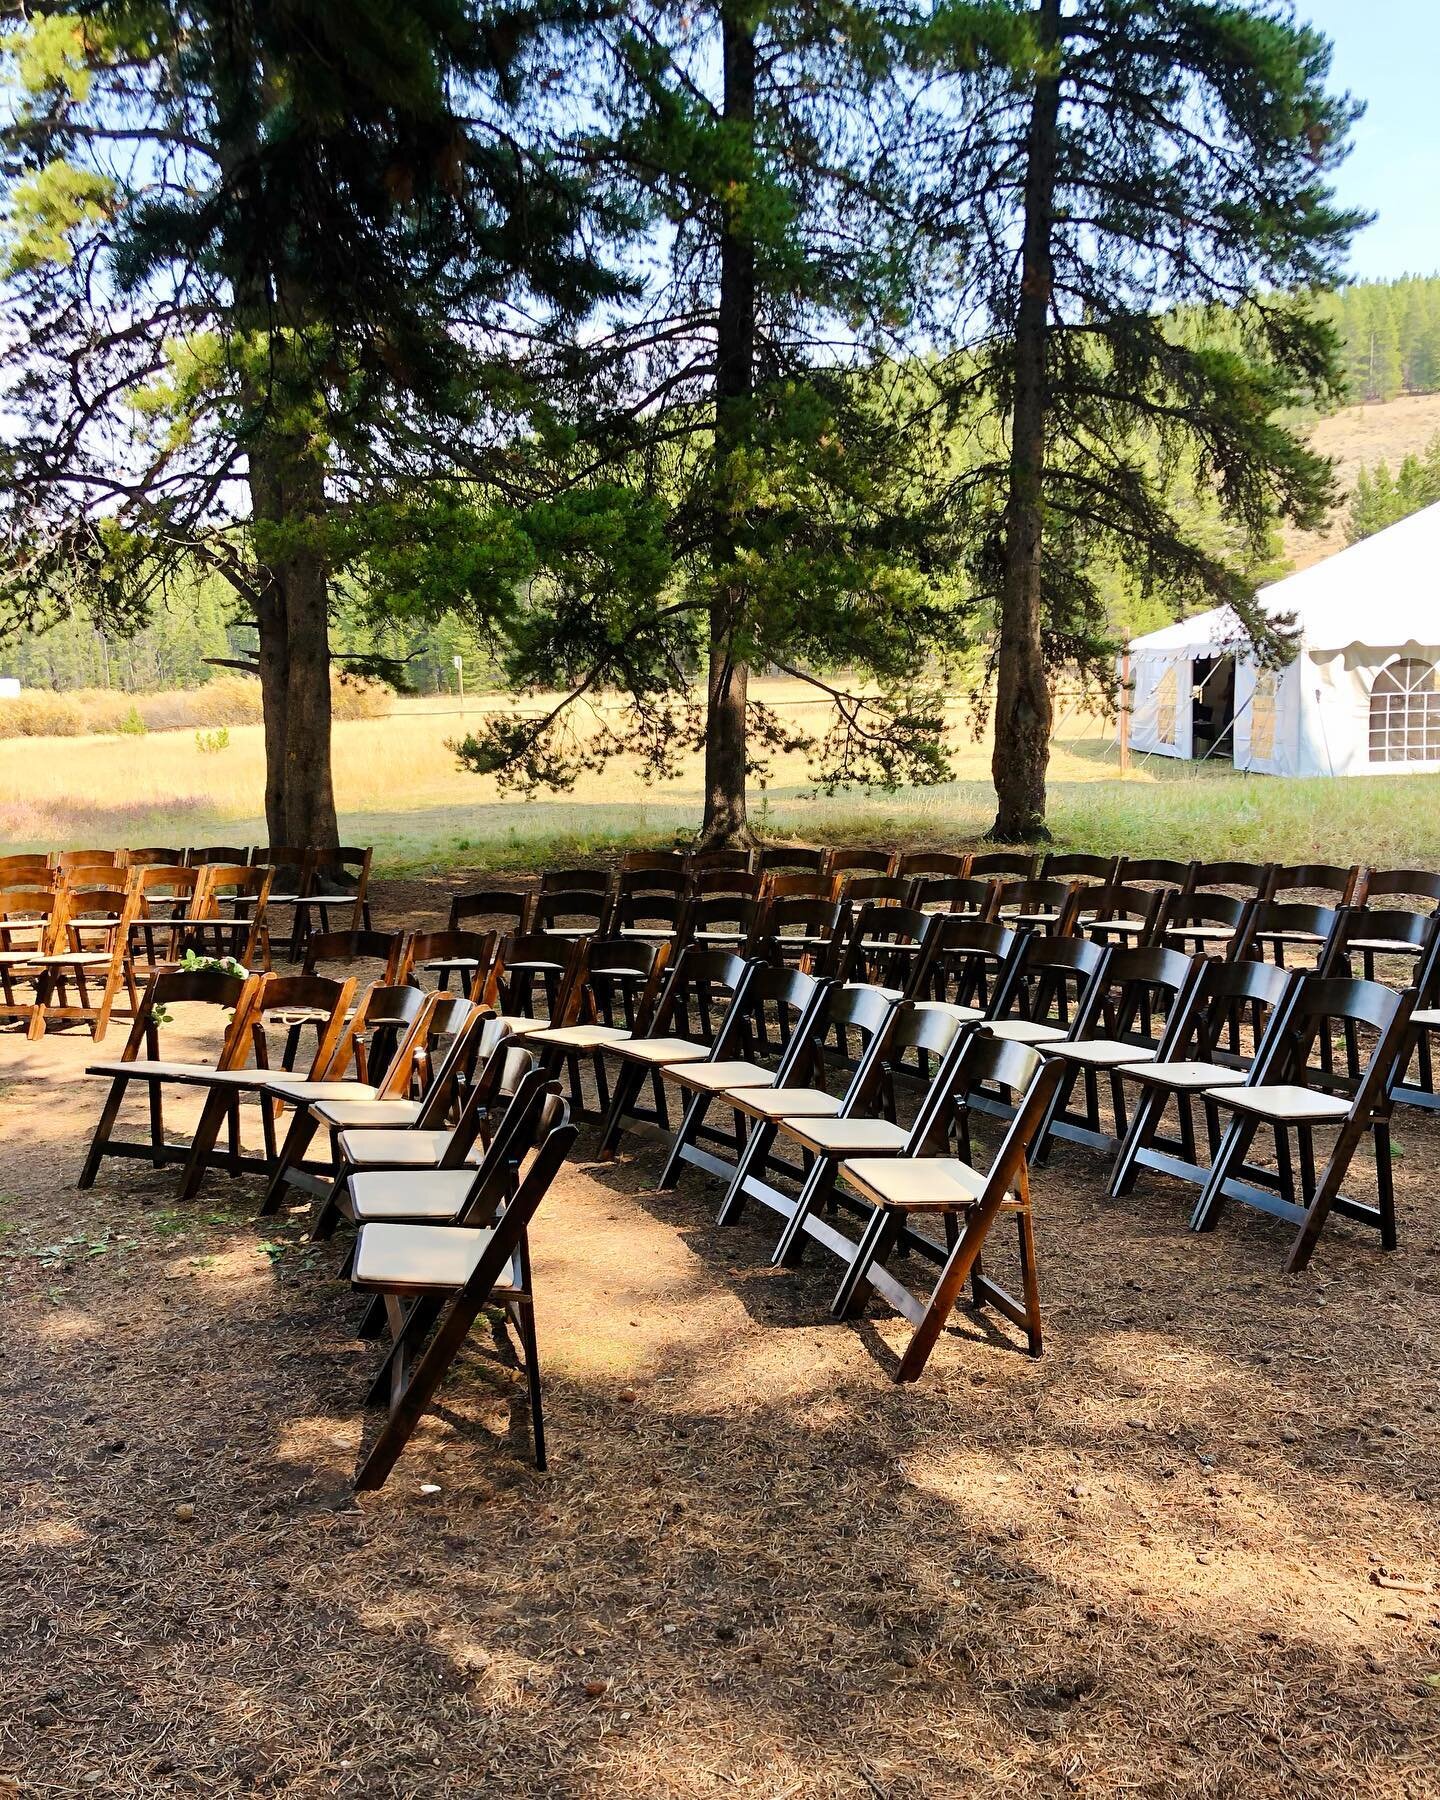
pixel 726 824
pixel 1022 702
pixel 287 489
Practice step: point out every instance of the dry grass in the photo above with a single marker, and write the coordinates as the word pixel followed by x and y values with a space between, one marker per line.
pixel 1358 437
pixel 1193 1551
pixel 399 788
pixel 105 712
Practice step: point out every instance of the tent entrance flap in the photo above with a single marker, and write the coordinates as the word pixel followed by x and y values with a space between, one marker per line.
pixel 1212 707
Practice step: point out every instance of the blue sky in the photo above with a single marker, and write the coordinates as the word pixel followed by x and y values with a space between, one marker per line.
pixel 1387 52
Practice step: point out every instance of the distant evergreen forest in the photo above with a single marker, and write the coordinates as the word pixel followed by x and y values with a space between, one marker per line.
pixel 1391 333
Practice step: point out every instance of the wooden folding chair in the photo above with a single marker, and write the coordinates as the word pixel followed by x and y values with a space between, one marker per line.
pixel 1221 1039
pixel 587 880
pixel 953 865
pixel 1205 924
pixel 1329 884
pixel 763 1036
pixel 778 859
pixel 654 861
pixel 652 915
pixel 390 949
pixel 460 1269
pixel 273 1005
pixel 616 994
pixel 155 855
pixel 706 883
pixel 878 890
pixel 967 964
pixel 26 872
pixel 167 898
pixel 292 876
pixel 858 861
pixel 1091 871
pixel 1052 907
pixel 740 862
pixel 571 913
pixel 424 1084
pixel 967 1200
pixel 232 855
pixel 1246 880
pixel 1008 865
pixel 1296 1095
pixel 32 922
pixel 1132 1012
pixel 537 965
pixel 973 897
pixel 229 916
pixel 1275 928
pixel 141 1062
pixel 90 868
pixel 701 987
pixel 889 947
pixel 453 1150
pixel 1046 987
pixel 1126 914
pixel 499 910
pixel 1376 931
pixel 721 922
pixel 338 882
pixel 813 1082
pixel 1170 875
pixel 803 931
pixel 467 955
pixel 88 950
pixel 796 884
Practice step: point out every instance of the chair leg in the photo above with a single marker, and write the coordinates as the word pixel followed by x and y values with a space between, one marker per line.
pixel 425 1379
pixel 628 1082
pixel 217 1105
pixel 1326 1191
pixel 523 1311
pixel 1143 1121
pixel 1029 1281
pixel 757 1148
pixel 297 1140
pixel 690 1122
pixel 853 1294
pixel 819 1183
pixel 328 1213
pixel 1239 1135
pixel 106 1124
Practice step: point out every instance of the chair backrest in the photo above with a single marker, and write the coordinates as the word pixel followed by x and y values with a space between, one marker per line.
pixel 671 878
pixel 795 858
pixel 99 907
pixel 786 924
pixel 496 909
pixel 1048 980
pixel 659 914
pixel 1270 920
pixel 839 1034
pixel 619 982
pixel 392 1020
pixel 1028 1080
pixel 508 1234
pixel 26 871
pixel 1156 872
pixel 699 991
pixel 536 959
pixel 1315 878
pixel 343 872
pixel 458 1036
pixel 70 860
pixel 728 918
pixel 217 853
pixel 230 997
pixel 463 947
pixel 638 862
pixel 945 864
pixel 531 1113
pixel 888 946
pixel 740 862
pixel 1051 906
pixel 968 957
pixel 1016 865
pixel 1229 1012
pixel 575 881
pixel 873 862
pixel 799 884
pixel 858 890
pixel 912 1026
pixel 153 853
pixel 576 907
pixel 29 902
pixel 171 879
pixel 240 882
pixel 1386 925
pixel 1138 997
pixel 390 948
pixel 1318 1005
pixel 971 895
pixel 1254 880
pixel 774 1005
pixel 293 865
pixel 282 994
pixel 1420 884
pixel 723 880
pixel 1068 866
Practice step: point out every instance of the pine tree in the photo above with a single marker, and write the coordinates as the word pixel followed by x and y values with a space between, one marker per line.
pixel 282 252
pixel 1153 156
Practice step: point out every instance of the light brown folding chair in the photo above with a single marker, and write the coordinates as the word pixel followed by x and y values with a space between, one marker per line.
pixel 83 969
pixel 32 923
pixel 228 917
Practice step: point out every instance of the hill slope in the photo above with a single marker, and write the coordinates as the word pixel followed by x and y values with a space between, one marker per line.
pixel 1357 438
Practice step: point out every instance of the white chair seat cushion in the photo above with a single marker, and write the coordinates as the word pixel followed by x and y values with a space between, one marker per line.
pixel 650 934
pixel 397 1149
pixel 879 943
pixel 1426 1015
pixel 1289 937
pixel 662 1050
pixel 952 1009
pixel 787 1103
pixel 1129 927
pixel 1026 1031
pixel 716 1077
pixel 304 1093
pixel 1011 916
pixel 733 935
pixel 1385 946
pixel 886 993
pixel 434 1194
pixel 519 1027
pixel 154 1070
pixel 851 1136
pixel 1185 1075
pixel 580 1037
pixel 1284 1101
pixel 1103 1053
pixel 72 958
pixel 916 1181
pixel 417 1256
pixel 361 1115
pixel 442 963
pixel 1210 933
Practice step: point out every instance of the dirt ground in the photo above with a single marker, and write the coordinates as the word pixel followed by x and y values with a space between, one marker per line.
pixel 1194 1550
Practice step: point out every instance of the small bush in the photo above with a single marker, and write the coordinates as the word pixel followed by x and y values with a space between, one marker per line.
pixel 211 743
pixel 352 697
pixel 132 725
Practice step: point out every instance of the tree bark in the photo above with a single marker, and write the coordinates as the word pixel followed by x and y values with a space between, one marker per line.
pixel 1022 702
pixel 726 823
pixel 287 488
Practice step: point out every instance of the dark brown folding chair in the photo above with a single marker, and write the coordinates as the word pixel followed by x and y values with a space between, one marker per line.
pixel 1052 907
pixel 1204 924
pixel 1396 884
pixel 1046 986
pixel 218 853
pixel 152 855
pixel 1094 871
pixel 777 859
pixel 338 884
pixel 804 931
pixel 1424 1023
pixel 862 890
pixel 889 947
pixel 968 962
pixel 1221 1041
pixel 1008 865
pixel 734 862
pixel 968 1201
pixel 1162 872
pixel 459 1271
pixel 857 861
pixel 467 955
pixel 1329 884
pixel 616 995
pixel 1276 927
pixel 572 913
pixel 1249 880
pixel 653 916
pixel 391 949
pixel 536 966
pixel 1298 1094
pixel 490 909
pixel 721 921
pixel 953 865
pixel 971 896
pixel 575 881
pixel 800 884
pixel 730 883
pixel 636 862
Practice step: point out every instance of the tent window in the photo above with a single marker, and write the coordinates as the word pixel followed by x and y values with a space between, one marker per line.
pixel 1405 714
pixel 1167 707
pixel 1262 717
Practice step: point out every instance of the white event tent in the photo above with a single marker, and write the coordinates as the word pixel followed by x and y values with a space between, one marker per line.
pixel 1360 698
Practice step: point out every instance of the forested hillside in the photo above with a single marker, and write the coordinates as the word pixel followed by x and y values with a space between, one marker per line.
pixel 1391 332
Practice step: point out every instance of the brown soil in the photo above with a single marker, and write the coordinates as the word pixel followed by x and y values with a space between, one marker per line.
pixel 1193 1550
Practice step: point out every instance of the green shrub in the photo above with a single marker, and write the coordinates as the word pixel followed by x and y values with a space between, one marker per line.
pixel 133 725
pixel 211 743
